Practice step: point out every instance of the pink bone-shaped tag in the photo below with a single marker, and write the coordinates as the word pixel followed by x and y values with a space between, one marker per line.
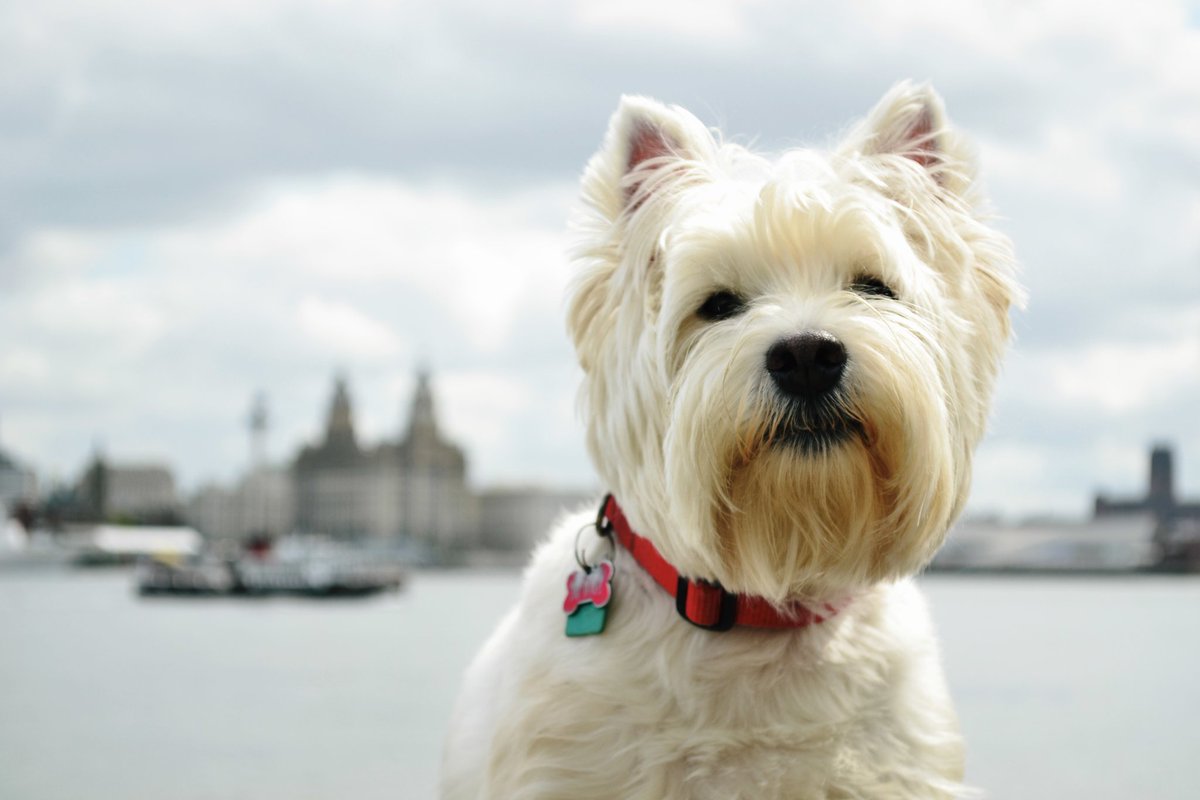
pixel 589 587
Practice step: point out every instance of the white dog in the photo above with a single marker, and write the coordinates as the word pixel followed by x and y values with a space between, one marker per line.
pixel 788 364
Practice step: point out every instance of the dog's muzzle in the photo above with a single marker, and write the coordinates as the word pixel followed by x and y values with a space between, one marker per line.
pixel 807 369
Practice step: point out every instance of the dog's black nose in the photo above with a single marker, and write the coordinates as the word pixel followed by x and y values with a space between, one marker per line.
pixel 806 364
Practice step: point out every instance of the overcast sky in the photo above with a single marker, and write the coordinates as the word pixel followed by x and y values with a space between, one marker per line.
pixel 201 200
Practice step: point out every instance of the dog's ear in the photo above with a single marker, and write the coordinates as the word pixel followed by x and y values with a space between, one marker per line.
pixel 649 152
pixel 648 146
pixel 910 121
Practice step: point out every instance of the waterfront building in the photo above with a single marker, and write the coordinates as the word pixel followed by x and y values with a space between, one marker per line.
pixel 260 504
pixel 128 492
pixel 412 488
pixel 514 519
pixel 331 478
pixel 1155 531
pixel 17 484
pixel 436 506
pixel 1159 500
pixel 1112 544
pixel 141 489
pixel 1176 521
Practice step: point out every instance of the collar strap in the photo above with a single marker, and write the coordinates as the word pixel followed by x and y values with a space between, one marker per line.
pixel 703 603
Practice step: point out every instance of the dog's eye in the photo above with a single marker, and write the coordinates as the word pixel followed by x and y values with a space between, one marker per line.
pixel 872 287
pixel 721 305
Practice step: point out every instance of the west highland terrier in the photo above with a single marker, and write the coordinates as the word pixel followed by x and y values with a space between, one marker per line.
pixel 787 366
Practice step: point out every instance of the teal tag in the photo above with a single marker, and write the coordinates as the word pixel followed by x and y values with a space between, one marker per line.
pixel 588 591
pixel 586 620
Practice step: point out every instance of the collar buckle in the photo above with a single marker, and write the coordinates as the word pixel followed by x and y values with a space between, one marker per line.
pixel 705 604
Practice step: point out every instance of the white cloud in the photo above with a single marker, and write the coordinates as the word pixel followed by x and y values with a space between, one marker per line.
pixel 345 332
pixel 1111 377
pixel 712 22
pixel 1001 466
pixel 485 259
pixel 1066 163
pixel 304 276
pixel 480 406
pixel 23 366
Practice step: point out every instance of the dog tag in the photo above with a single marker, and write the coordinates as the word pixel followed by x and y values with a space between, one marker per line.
pixel 587 620
pixel 586 604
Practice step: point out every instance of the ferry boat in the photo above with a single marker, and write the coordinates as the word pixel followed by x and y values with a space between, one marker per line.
pixel 306 570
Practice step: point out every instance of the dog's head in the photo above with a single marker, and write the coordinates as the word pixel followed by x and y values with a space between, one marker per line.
pixel 788 362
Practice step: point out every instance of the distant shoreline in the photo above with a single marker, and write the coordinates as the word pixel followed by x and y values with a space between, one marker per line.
pixel 1060 572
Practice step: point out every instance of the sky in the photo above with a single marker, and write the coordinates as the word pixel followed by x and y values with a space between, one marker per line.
pixel 204 200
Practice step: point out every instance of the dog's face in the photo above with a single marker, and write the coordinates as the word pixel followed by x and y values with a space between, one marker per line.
pixel 788 363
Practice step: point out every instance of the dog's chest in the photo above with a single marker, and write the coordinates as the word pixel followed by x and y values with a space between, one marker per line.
pixel 652 747
pixel 661 716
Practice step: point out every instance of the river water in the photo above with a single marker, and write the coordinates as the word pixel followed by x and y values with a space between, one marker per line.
pixel 1067 688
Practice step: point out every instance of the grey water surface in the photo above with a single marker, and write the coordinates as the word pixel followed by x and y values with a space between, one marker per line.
pixel 1067 688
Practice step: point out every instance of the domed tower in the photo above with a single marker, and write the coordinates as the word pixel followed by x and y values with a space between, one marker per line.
pixel 422 422
pixel 332 479
pixel 339 424
pixel 436 506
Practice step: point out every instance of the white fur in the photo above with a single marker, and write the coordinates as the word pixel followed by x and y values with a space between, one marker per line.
pixel 680 414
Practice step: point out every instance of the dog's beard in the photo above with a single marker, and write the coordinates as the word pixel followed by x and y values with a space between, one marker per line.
pixel 802 497
pixel 809 500
pixel 798 519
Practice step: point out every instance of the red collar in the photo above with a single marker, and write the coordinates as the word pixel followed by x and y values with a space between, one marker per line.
pixel 703 603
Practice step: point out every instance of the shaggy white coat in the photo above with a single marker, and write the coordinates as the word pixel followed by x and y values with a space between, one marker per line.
pixel 684 428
